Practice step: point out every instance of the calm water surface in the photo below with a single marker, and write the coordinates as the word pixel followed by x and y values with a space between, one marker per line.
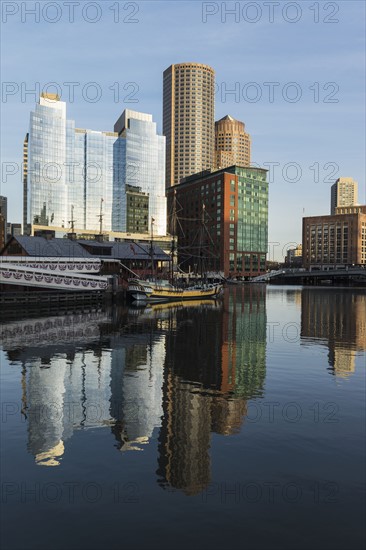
pixel 236 424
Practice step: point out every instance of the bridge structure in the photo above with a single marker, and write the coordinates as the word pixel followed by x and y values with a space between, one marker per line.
pixel 346 275
pixel 61 274
pixel 266 277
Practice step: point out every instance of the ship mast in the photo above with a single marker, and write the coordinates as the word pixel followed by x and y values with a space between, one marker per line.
pixel 152 247
pixel 200 251
pixel 174 221
pixel 72 221
pixel 101 216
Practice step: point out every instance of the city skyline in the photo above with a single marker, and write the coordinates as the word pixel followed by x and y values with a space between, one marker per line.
pixel 299 136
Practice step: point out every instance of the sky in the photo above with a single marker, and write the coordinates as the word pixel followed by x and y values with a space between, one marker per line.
pixel 293 72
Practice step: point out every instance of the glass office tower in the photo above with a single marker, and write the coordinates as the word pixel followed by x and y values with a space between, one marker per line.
pixel 70 170
pixel 143 169
pixel 47 190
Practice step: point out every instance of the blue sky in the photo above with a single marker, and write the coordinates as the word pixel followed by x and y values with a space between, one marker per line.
pixel 314 140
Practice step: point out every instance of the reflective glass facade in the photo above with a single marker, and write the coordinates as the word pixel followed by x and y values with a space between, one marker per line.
pixel 70 170
pixel 47 188
pixel 142 168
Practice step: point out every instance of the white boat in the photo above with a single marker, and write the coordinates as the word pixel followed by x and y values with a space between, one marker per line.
pixel 137 291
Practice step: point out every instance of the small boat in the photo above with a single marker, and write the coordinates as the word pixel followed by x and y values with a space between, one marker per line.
pixel 137 291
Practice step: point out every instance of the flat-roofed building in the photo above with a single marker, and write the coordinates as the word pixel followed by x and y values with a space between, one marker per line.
pixel 332 241
pixel 77 179
pixel 69 172
pixel 222 221
pixel 343 193
pixel 359 208
pixel 142 176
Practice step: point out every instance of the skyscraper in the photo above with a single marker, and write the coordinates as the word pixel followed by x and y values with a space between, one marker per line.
pixel 188 119
pixel 90 180
pixel 232 143
pixel 139 192
pixel 70 171
pixel 343 193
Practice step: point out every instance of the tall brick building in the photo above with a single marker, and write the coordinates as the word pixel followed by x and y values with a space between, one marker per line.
pixel 233 204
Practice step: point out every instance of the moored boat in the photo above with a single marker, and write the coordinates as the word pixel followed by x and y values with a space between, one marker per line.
pixel 165 292
pixel 198 292
pixel 138 292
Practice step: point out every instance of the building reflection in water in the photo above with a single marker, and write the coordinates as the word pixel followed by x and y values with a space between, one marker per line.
pixel 215 362
pixel 336 319
pixel 186 369
pixel 136 390
pixel 82 371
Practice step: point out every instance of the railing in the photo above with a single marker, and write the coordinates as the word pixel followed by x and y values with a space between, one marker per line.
pixel 312 272
pixel 20 275
pixel 268 276
pixel 80 265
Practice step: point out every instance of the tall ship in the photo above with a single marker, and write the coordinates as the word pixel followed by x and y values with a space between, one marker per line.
pixel 163 291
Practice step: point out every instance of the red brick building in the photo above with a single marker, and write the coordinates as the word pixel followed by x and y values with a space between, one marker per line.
pixel 233 204
pixel 331 241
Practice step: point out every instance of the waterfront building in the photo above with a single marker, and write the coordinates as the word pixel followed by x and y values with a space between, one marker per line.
pixel 118 258
pixel 332 241
pixel 294 256
pixel 3 220
pixel 232 143
pixel 69 171
pixel 139 201
pixel 91 181
pixel 188 119
pixel 343 193
pixel 223 221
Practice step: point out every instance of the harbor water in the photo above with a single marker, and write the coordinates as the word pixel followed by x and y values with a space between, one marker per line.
pixel 236 423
